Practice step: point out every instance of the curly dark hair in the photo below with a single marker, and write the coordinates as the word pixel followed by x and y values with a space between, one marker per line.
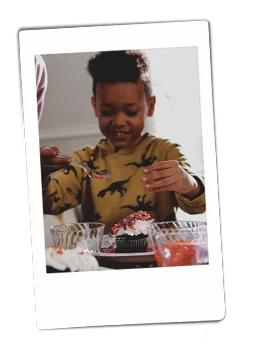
pixel 120 66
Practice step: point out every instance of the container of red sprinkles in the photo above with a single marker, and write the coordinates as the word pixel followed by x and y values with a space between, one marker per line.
pixel 131 233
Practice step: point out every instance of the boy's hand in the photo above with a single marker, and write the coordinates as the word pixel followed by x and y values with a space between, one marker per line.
pixel 170 176
pixel 50 162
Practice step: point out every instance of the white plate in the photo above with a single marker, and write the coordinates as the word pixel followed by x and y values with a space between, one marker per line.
pixel 104 268
pixel 124 254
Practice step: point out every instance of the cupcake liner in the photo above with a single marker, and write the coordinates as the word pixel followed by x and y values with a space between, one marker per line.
pixel 124 245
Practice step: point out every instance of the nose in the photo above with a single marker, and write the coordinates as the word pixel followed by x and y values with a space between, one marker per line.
pixel 119 119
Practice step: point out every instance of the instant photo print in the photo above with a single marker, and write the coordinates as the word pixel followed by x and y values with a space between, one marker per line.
pixel 122 175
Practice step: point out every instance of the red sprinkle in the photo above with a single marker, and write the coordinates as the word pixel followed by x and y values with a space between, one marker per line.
pixel 99 177
pixel 131 220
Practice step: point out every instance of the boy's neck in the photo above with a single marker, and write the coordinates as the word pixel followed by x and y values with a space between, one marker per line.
pixel 105 143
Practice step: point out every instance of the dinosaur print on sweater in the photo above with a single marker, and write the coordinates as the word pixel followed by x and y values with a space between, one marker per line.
pixel 145 161
pixel 142 206
pixel 116 186
pixel 91 162
pixel 108 201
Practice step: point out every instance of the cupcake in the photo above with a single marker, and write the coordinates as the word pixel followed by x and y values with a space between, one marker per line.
pixel 131 233
pixel 73 260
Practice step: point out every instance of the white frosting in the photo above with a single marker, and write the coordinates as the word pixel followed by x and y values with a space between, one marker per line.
pixel 75 259
pixel 91 244
pixel 140 227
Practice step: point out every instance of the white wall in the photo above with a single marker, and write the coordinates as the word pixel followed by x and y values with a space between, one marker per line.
pixel 176 86
pixel 68 120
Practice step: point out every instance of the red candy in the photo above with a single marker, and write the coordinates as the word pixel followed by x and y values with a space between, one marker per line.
pixel 99 177
pixel 180 254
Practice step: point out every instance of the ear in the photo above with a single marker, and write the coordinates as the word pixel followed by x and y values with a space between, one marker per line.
pixel 151 106
pixel 93 103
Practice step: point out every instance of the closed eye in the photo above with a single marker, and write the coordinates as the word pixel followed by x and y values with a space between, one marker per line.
pixel 131 113
pixel 108 112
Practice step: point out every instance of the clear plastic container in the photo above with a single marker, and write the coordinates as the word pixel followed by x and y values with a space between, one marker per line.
pixel 88 235
pixel 179 243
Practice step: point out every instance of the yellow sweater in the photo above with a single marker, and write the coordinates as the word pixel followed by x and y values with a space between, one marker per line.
pixel 108 201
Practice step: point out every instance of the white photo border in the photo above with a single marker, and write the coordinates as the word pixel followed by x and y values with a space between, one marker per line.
pixel 158 295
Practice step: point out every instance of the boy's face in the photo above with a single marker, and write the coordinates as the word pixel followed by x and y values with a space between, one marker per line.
pixel 121 109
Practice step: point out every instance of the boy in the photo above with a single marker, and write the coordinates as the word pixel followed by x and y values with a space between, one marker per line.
pixel 147 173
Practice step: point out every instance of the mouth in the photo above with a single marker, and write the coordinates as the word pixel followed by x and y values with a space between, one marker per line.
pixel 120 133
pixel 120 136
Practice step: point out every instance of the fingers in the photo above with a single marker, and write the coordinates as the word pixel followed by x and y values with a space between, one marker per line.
pixel 49 151
pixel 163 176
pixel 54 148
pixel 48 169
pixel 57 160
pixel 163 173
pixel 162 183
pixel 171 187
pixel 50 161
pixel 160 166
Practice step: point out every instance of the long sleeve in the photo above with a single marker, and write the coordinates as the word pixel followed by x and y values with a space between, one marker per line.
pixel 194 205
pixel 66 188
pixel 41 83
